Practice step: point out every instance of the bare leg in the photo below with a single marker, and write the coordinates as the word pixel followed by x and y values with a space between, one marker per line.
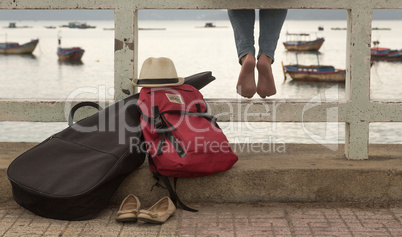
pixel 266 83
pixel 246 83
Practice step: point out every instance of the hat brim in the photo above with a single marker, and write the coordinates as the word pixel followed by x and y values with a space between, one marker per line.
pixel 156 82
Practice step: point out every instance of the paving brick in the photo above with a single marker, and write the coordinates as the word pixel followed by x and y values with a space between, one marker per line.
pixel 398 213
pixel 218 220
pixel 252 232
pixel 302 231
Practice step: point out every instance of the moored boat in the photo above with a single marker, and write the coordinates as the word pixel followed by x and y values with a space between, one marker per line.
pixel 13 25
pixel 339 28
pixel 381 28
pixel 300 43
pixel 16 48
pixel 78 25
pixel 322 73
pixel 210 25
pixel 319 73
pixel 70 54
pixel 385 54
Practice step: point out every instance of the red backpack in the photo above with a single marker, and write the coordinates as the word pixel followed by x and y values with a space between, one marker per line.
pixel 182 139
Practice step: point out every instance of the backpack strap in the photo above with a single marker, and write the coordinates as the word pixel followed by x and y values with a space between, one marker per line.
pixel 173 194
pixel 172 191
pixel 209 117
pixel 163 132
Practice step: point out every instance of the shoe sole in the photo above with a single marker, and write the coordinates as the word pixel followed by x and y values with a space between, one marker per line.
pixel 152 221
pixel 127 219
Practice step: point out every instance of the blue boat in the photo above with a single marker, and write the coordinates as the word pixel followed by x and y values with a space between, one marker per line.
pixel 320 73
pixel 385 54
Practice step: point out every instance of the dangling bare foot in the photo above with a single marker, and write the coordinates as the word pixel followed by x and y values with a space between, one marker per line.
pixel 246 83
pixel 266 83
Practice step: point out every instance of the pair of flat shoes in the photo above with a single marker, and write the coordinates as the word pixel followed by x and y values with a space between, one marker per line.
pixel 130 211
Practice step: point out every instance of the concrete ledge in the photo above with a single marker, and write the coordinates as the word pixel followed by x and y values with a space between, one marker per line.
pixel 294 173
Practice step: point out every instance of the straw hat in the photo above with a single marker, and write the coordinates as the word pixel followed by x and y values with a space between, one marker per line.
pixel 158 72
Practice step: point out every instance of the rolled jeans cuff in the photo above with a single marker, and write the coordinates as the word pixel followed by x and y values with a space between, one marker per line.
pixel 268 55
pixel 244 54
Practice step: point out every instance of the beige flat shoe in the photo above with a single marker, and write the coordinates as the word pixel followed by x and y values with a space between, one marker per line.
pixel 159 212
pixel 128 210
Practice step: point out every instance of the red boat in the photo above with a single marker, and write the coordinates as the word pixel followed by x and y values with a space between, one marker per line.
pixel 70 54
pixel 385 54
pixel 73 54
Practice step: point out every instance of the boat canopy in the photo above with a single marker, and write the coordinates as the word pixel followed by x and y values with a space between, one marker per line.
pixel 316 53
pixel 8 45
pixel 381 50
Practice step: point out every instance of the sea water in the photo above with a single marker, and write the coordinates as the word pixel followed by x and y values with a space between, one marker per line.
pixel 193 49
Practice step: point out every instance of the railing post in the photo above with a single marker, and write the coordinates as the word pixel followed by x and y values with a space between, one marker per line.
pixel 358 82
pixel 125 51
pixel 135 54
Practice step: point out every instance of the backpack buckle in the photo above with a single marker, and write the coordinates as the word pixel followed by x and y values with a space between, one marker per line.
pixel 158 123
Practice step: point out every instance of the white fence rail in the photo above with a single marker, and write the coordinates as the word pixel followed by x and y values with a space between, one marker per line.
pixel 357 111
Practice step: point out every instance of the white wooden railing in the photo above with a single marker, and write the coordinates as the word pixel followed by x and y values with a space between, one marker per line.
pixel 357 110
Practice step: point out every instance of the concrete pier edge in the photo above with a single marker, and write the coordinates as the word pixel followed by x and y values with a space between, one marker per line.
pixel 281 173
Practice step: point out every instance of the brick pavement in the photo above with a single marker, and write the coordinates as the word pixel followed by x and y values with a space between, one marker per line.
pixel 220 220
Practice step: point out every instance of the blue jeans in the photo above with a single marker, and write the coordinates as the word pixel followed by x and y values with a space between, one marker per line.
pixel 271 21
